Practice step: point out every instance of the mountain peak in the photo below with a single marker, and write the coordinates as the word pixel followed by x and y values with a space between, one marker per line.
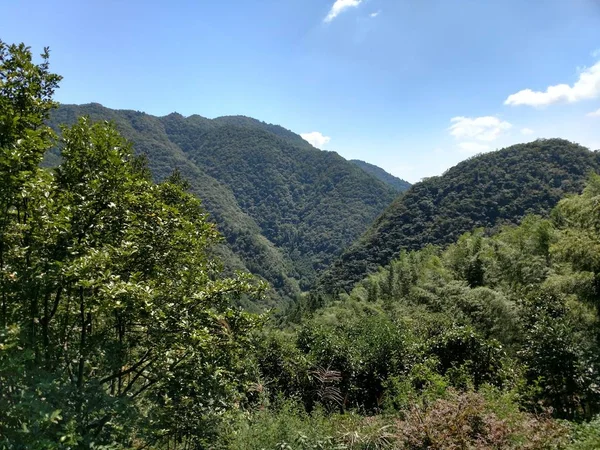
pixel 285 208
pixel 483 191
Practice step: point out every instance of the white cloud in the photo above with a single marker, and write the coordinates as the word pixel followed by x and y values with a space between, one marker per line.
pixel 473 147
pixel 375 14
pixel 586 87
pixel 316 139
pixel 339 6
pixel 487 128
pixel 527 131
pixel 594 113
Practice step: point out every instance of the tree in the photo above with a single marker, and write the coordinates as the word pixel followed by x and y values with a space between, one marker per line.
pixel 560 358
pixel 25 102
pixel 116 322
pixel 579 242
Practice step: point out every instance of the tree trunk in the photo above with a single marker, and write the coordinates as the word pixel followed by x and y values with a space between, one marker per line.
pixel 82 340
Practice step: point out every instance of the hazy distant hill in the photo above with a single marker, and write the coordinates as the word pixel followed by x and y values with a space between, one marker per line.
pixel 397 183
pixel 483 191
pixel 285 208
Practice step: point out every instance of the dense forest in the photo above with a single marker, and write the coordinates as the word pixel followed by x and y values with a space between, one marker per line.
pixel 285 208
pixel 120 328
pixel 397 183
pixel 484 191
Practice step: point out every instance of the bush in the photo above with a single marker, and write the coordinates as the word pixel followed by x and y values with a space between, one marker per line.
pixel 467 420
pixel 586 436
pixel 283 427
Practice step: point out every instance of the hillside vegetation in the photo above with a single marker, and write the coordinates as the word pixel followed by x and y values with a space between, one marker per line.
pixel 285 208
pixel 309 203
pixel 397 183
pixel 484 191
pixel 120 328
pixel 478 345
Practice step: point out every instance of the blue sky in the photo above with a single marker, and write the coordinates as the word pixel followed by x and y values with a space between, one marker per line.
pixel 413 86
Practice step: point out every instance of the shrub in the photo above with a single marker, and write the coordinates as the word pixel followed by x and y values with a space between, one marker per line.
pixel 466 420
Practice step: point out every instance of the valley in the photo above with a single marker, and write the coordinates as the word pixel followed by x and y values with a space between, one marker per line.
pixel 178 283
pixel 285 208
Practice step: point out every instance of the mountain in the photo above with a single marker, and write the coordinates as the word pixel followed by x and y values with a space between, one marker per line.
pixel 484 191
pixel 397 183
pixel 286 209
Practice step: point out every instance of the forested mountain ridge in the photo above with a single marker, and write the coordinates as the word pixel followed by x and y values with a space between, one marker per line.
pixel 284 207
pixel 483 191
pixel 163 157
pixel 119 328
pixel 306 201
pixel 397 183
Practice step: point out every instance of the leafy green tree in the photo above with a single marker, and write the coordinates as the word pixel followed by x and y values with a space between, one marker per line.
pixel 284 207
pixel 465 259
pixel 26 92
pixel 117 324
pixel 580 242
pixel 462 352
pixel 560 357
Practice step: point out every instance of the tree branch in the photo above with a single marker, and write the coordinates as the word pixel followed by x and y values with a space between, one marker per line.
pixel 125 372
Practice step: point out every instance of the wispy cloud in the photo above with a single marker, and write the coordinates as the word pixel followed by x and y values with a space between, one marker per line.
pixel 486 128
pixel 374 14
pixel 316 139
pixel 473 147
pixel 586 87
pixel 527 131
pixel 596 53
pixel 594 113
pixel 340 6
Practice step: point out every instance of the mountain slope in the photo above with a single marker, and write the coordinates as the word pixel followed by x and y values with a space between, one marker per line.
pixel 308 202
pixel 246 248
pixel 397 183
pixel 495 188
pixel 285 208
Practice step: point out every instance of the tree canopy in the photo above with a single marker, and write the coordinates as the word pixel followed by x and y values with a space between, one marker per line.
pixel 484 191
pixel 121 329
pixel 285 208
pixel 397 183
pixel 116 324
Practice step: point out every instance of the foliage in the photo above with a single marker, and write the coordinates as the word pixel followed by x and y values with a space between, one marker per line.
pixel 469 421
pixel 285 208
pixel 284 427
pixel 118 327
pixel 421 343
pixel 116 322
pixel 586 436
pixel 484 191
pixel 397 183
pixel 461 420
